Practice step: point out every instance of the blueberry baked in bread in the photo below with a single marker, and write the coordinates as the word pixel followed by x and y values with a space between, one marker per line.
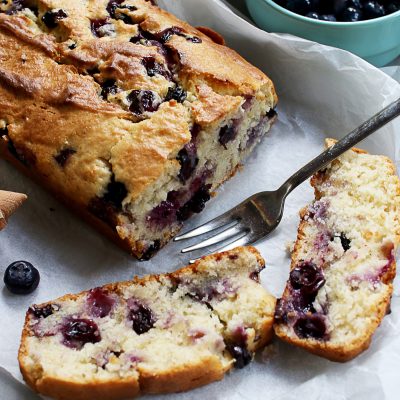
pixel 127 114
pixel 343 263
pixel 161 333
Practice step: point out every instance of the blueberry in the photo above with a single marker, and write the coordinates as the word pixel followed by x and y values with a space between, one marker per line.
pixel 162 215
pixel 340 5
pixel 241 355
pixel 142 101
pixel 301 7
pixel 313 15
pixel 21 277
pixel 311 326
pixel 142 318
pixel 372 9
pixel 271 113
pixel 188 160
pixel 51 18
pixel 78 332
pixel 177 93
pixel 307 277
pixel 109 87
pixel 227 134
pixel 101 27
pixel 392 7
pixel 328 17
pixel 99 303
pixel 350 14
pixel 196 204
pixel 116 193
pixel 346 243
pixel 44 311
pixel 153 68
pixel 63 156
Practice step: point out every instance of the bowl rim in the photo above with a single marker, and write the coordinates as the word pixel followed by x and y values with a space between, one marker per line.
pixel 289 13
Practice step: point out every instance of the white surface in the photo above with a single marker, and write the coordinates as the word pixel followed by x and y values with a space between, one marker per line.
pixel 323 92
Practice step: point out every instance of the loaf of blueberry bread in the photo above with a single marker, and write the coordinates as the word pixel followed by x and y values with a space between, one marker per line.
pixel 127 114
pixel 343 263
pixel 161 333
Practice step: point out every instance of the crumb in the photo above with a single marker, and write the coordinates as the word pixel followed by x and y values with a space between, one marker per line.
pixel 289 246
pixel 269 353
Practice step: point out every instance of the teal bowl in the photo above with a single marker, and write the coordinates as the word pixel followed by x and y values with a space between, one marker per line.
pixel 375 40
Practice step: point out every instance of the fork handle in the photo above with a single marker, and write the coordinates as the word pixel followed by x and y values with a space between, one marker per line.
pixel 364 130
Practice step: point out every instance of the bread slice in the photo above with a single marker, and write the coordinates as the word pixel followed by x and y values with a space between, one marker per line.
pixel 157 334
pixel 128 115
pixel 343 263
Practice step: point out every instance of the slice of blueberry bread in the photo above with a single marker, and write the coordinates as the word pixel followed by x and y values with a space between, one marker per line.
pixel 343 263
pixel 161 333
pixel 127 114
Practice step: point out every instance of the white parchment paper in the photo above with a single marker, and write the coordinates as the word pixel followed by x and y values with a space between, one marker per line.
pixel 323 92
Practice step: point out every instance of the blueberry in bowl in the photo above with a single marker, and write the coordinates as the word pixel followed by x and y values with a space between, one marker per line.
pixel 367 28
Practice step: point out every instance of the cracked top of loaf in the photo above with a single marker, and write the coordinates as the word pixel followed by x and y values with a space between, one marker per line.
pixel 98 97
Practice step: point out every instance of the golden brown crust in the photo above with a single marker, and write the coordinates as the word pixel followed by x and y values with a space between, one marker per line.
pixel 180 380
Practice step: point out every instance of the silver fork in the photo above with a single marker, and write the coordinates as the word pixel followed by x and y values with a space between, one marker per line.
pixel 260 214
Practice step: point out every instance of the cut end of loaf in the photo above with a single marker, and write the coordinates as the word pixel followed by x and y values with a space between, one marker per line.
pixel 162 333
pixel 343 263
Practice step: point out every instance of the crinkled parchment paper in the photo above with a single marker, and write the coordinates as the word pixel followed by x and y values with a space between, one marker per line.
pixel 323 92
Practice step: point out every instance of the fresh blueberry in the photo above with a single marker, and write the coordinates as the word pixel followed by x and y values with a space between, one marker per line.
pixel 313 15
pixel 51 18
pixel 142 318
pixel 99 303
pixel 310 326
pixel 307 277
pixel 241 355
pixel 350 14
pixel 328 17
pixel 372 9
pixel 78 332
pixel 340 5
pixel 142 101
pixel 301 7
pixel 21 277
pixel 392 7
